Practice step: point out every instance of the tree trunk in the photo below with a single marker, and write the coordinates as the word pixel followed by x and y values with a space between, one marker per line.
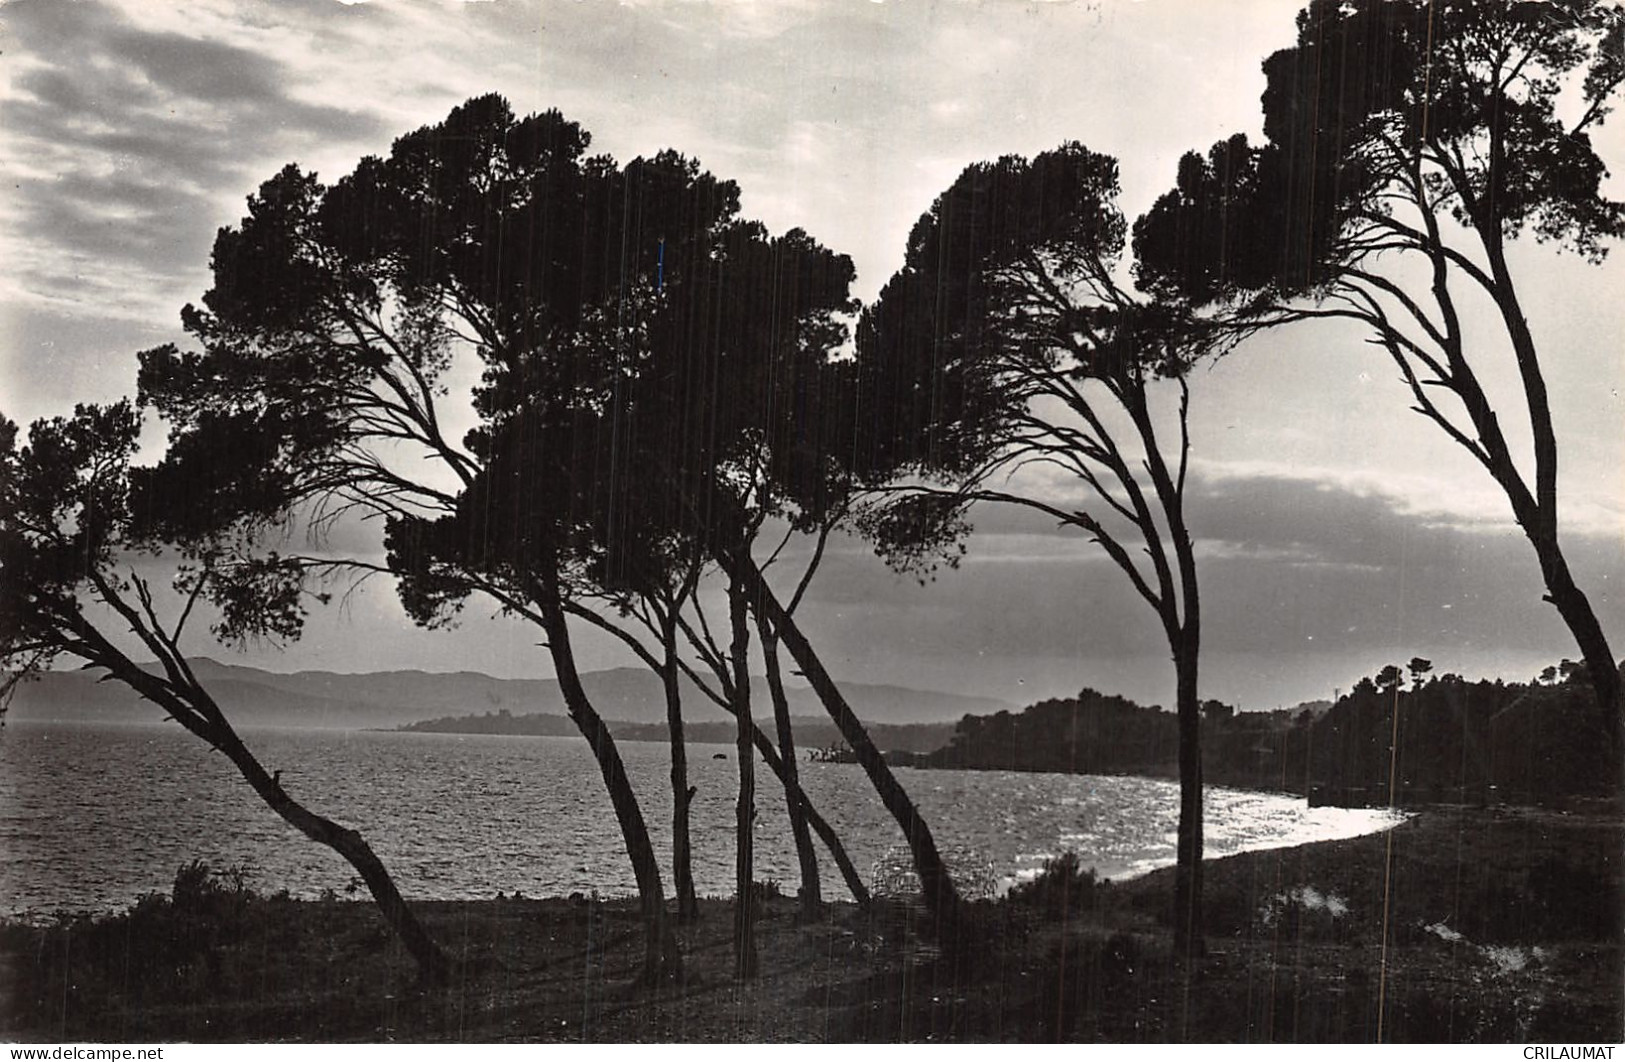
pixel 1575 608
pixel 1188 929
pixel 812 899
pixel 936 884
pixel 1183 627
pixel 682 859
pixel 1537 513
pixel 826 833
pixel 661 958
pixel 745 964
pixel 433 964
pixel 1537 516
pixel 197 711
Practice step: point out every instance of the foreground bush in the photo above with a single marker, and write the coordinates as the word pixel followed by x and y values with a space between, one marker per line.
pixel 1063 885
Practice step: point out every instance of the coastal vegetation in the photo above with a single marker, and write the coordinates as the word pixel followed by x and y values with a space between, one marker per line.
pixel 1010 300
pixel 1442 740
pixel 1408 135
pixel 1459 925
pixel 672 400
pixel 71 523
pixel 1401 736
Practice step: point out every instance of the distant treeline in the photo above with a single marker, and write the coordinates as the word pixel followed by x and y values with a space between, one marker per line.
pixel 1454 741
pixel 811 732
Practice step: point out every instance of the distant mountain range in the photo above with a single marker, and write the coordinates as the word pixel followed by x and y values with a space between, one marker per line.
pixel 326 699
pixel 812 732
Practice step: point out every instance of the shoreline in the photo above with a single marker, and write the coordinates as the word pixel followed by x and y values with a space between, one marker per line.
pixel 1485 925
pixel 1117 870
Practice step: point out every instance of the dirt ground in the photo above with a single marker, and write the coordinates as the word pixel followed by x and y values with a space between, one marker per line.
pixel 1462 925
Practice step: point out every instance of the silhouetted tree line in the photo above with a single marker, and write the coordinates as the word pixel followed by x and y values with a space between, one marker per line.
pixel 1448 740
pixel 812 732
pixel 1454 741
pixel 1092 733
pixel 665 386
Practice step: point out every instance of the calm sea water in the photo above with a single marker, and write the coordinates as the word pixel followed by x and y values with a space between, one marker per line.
pixel 92 816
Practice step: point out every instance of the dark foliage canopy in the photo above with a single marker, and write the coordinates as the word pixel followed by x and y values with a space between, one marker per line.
pixel 653 365
pixel 64 516
pixel 932 346
pixel 75 516
pixel 1382 105
pixel 1434 133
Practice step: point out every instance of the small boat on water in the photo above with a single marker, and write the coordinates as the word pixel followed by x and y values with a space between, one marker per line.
pixel 837 753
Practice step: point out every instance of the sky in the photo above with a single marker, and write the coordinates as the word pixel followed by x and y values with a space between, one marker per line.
pixel 1337 531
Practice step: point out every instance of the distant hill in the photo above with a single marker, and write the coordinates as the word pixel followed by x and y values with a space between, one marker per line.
pixel 811 732
pixel 326 699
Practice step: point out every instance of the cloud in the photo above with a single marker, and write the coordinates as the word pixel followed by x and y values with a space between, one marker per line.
pixel 124 144
pixel 1292 559
pixel 130 137
pixel 1325 512
pixel 1287 566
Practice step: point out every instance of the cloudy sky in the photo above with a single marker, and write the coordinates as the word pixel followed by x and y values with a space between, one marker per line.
pixel 1338 530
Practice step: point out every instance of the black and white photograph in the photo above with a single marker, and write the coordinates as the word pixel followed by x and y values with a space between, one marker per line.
pixel 812 522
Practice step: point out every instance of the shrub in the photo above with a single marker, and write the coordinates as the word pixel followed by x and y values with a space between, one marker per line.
pixel 161 948
pixel 1064 884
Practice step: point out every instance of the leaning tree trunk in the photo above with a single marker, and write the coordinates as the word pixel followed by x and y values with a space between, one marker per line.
pixel 812 899
pixel 661 957
pixel 196 710
pixel 432 962
pixel 825 832
pixel 745 962
pixel 682 795
pixel 1536 512
pixel 936 884
pixel 1575 608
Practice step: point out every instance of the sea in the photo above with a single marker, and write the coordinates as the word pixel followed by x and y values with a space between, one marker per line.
pixel 95 815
